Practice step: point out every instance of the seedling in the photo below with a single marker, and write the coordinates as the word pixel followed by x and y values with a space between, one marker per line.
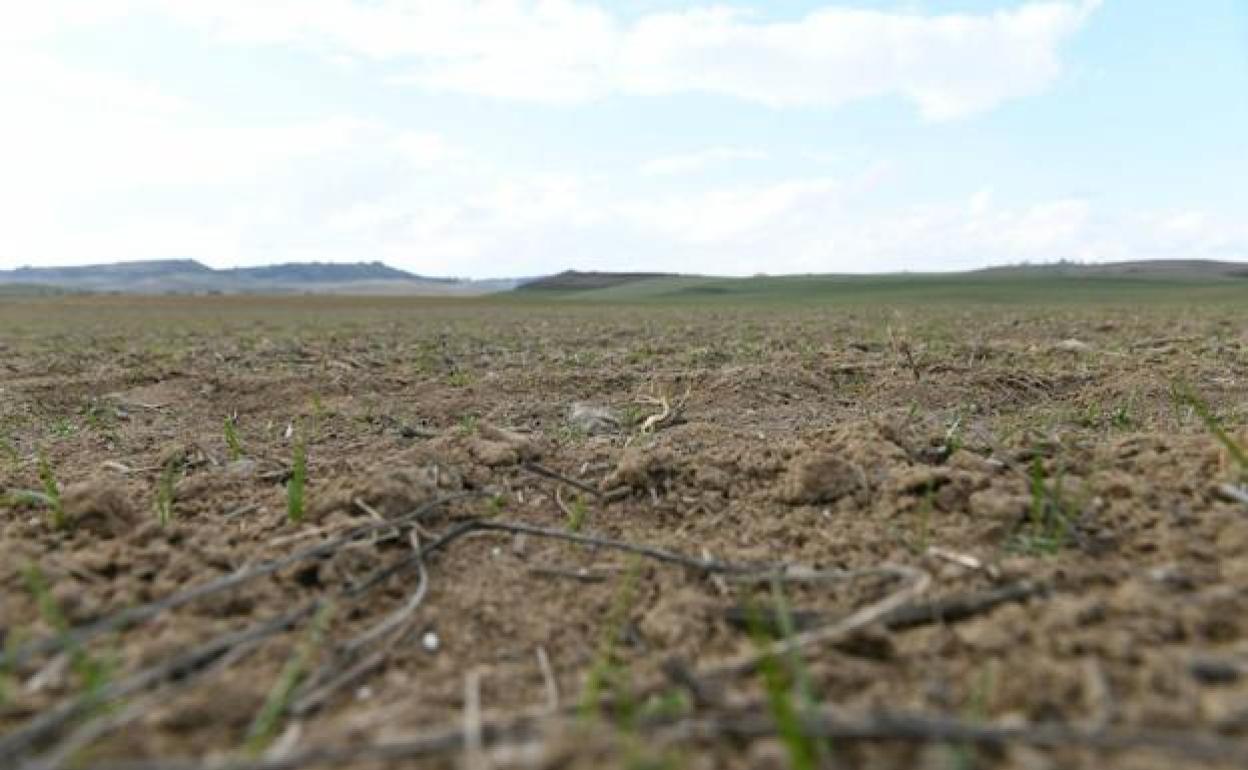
pixel 1048 525
pixel 577 513
pixel 164 493
pixel 295 486
pixel 459 378
pixel 1184 394
pixel 953 435
pixel 468 424
pixel 93 673
pixel 319 414
pixel 921 537
pixel 51 496
pixel 607 674
pixel 64 428
pixel 781 685
pixel 497 503
pixel 232 441
pixel 963 754
pixel 1120 418
pixel 99 418
pixel 265 725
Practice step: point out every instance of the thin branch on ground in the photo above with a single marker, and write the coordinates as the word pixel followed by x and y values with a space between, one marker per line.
pixel 542 470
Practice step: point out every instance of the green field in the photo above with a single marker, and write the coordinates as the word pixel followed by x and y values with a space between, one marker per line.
pixel 909 289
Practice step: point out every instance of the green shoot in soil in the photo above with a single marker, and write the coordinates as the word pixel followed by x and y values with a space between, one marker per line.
pixel 497 504
pixel 790 693
pixel 319 414
pixel 577 513
pixel 1048 525
pixel 51 493
pixel 298 478
pixel 1186 395
pixel 93 673
pixel 231 439
pixel 607 674
pixel 610 676
pixel 963 754
pixel 264 727
pixel 164 493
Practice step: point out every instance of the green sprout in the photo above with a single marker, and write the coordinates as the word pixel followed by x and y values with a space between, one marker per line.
pixel 164 493
pixel 231 439
pixel 963 754
pixel 577 513
pixel 1049 520
pixel 295 486
pixel 93 673
pixel 496 503
pixel 319 414
pixel 1185 394
pixel 51 496
pixel 607 674
pixel 790 693
pixel 265 725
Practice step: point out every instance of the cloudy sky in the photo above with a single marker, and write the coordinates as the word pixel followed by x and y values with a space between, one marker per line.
pixel 510 137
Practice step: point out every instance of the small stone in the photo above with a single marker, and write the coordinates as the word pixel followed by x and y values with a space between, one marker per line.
pixel 241 467
pixel 1215 671
pixel 1073 345
pixel 593 419
pixel 430 641
pixel 1002 506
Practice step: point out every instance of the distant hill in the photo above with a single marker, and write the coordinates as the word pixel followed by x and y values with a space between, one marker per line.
pixel 573 280
pixel 190 276
pixel 1158 268
pixel 1126 282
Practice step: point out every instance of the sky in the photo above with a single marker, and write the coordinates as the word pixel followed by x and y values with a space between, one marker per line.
pixel 513 138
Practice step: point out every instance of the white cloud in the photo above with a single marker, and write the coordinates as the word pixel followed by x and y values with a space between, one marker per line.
pixel 101 167
pixel 980 203
pixel 426 149
pixel 949 65
pixel 734 214
pixel 700 160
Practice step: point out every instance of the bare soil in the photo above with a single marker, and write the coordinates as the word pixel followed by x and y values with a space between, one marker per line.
pixel 1067 498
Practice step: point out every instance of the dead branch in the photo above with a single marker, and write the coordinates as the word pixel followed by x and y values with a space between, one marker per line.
pixel 542 470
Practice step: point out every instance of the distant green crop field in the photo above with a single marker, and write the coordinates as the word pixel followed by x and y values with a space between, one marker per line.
pixel 922 289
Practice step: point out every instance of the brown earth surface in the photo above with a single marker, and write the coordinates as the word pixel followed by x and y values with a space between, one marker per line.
pixel 1004 537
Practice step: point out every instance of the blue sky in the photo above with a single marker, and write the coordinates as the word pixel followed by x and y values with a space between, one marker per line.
pixel 513 138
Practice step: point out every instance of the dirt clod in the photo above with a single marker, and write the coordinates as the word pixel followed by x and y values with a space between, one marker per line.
pixel 99 506
pixel 820 477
